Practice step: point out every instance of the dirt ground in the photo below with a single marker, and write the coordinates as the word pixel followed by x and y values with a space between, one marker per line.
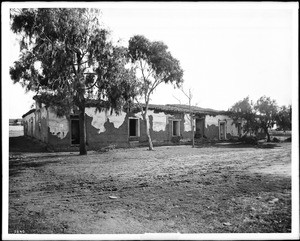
pixel 211 189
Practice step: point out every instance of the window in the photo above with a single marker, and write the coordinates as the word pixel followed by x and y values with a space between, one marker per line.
pixel 134 127
pixel 75 136
pixel 175 128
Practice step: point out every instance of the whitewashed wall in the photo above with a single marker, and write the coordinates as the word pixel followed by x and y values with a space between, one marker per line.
pixel 214 120
pixel 99 118
pixel 59 126
pixel 30 127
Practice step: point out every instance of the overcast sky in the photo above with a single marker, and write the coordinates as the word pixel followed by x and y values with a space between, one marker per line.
pixel 227 51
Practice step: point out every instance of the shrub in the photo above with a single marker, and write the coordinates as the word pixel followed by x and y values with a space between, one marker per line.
pixel 252 140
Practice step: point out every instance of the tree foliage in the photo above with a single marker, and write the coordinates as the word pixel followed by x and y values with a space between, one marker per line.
pixel 243 112
pixel 67 58
pixel 266 111
pixel 154 65
pixel 284 118
pixel 255 116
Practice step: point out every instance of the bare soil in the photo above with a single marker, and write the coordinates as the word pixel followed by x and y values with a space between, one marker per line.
pixel 211 189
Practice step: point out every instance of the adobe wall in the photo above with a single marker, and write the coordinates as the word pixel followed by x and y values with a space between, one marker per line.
pixel 187 128
pixel 212 127
pixel 160 126
pixel 58 130
pixel 40 127
pixel 29 124
pixel 104 128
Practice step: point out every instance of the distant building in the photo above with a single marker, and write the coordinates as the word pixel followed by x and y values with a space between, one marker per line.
pixel 15 122
pixel 169 124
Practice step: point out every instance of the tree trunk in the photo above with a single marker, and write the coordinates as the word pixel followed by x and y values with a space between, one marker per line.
pixel 268 136
pixel 193 132
pixel 82 131
pixel 147 124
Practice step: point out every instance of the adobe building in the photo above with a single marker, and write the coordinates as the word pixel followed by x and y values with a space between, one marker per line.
pixel 169 124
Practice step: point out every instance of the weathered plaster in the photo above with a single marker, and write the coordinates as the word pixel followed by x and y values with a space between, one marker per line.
pixel 117 120
pixel 41 130
pixel 100 118
pixel 111 135
pixel 29 127
pixel 212 132
pixel 214 120
pixel 160 120
pixel 58 126
pixel 212 125
pixel 231 129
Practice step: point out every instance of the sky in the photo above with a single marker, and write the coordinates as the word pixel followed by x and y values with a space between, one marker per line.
pixel 227 51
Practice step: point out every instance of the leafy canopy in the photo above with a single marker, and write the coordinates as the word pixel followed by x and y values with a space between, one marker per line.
pixel 266 111
pixel 243 111
pixel 67 58
pixel 154 64
pixel 262 114
pixel 284 118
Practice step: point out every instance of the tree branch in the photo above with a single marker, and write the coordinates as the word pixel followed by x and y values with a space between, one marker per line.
pixel 139 104
pixel 188 96
pixel 155 84
pixel 177 99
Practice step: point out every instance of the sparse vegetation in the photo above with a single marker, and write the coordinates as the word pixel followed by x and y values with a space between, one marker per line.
pixel 207 189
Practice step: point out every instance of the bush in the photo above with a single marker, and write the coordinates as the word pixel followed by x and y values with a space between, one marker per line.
pixel 252 140
pixel 176 139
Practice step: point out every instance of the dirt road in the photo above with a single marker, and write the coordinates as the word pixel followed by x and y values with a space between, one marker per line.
pixel 172 189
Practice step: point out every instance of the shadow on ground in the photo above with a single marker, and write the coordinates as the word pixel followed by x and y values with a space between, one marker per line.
pixel 237 145
pixel 26 144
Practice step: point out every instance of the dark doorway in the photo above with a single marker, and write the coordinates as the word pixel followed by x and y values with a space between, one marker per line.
pixel 133 127
pixel 222 131
pixel 176 128
pixel 199 128
pixel 75 137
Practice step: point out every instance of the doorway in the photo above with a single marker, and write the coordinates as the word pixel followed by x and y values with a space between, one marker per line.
pixel 199 128
pixel 133 127
pixel 75 136
pixel 222 130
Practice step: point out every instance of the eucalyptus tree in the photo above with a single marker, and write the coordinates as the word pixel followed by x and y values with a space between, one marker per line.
pixel 66 57
pixel 154 65
pixel 255 116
